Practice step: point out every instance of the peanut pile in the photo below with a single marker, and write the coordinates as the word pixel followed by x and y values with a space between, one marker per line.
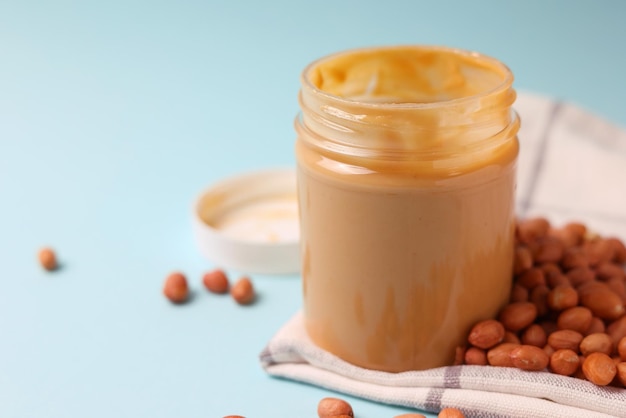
pixel 566 312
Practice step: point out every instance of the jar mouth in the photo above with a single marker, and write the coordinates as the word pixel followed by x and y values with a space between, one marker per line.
pixel 408 77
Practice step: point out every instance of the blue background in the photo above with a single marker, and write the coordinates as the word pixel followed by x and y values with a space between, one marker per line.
pixel 115 114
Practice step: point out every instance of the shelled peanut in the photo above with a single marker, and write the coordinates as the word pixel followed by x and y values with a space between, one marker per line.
pixel 567 309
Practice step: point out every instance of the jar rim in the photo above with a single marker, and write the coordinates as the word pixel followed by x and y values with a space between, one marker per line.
pixel 504 85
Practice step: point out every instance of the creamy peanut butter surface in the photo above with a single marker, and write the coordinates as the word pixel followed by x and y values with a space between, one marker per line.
pixel 406 160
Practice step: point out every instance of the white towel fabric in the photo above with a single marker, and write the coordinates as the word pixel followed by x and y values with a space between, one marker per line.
pixel 572 166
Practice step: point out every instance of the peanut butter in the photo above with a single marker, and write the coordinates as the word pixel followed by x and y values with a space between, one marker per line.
pixel 406 177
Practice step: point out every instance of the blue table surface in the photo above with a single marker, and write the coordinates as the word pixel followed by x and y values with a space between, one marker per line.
pixel 115 114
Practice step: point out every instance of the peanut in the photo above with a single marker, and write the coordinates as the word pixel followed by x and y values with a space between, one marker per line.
pixel 216 281
pixel 243 291
pixel 534 335
pixel 548 250
pixel 597 325
pixel 606 270
pixel 550 269
pixel 333 408
pixel 577 319
pixel 531 278
pixel 574 258
pixel 529 357
pixel 176 288
pixel 564 362
pixel 590 287
pixel 577 229
pixel 486 334
pixel 557 279
pixel 579 275
pixel 596 343
pixel 47 259
pixel 562 297
pixel 599 251
pixel 529 230
pixel 603 302
pixel 518 315
pixel 500 355
pixel 565 338
pixel 476 356
pixel 599 369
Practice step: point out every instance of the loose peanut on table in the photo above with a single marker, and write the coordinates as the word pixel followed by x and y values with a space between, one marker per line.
pixel 566 312
pixel 216 281
pixel 176 288
pixel 47 259
pixel 334 408
pixel 243 291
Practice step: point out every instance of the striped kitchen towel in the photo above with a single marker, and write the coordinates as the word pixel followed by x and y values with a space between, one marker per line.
pixel 572 167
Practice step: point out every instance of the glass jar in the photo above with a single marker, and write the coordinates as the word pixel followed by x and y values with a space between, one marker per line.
pixel 406 180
